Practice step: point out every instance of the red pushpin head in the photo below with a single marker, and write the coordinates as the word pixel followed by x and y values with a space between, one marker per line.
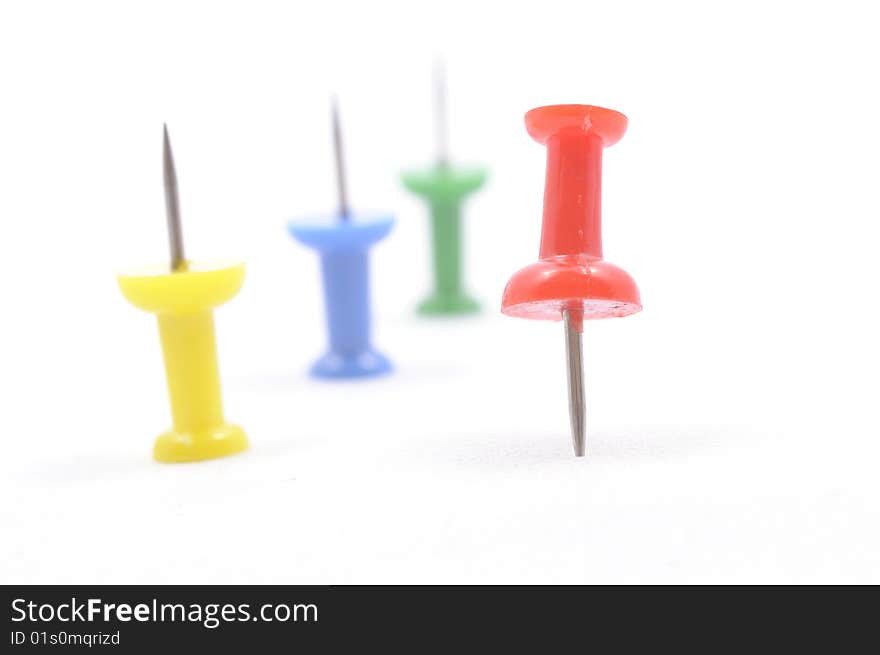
pixel 571 273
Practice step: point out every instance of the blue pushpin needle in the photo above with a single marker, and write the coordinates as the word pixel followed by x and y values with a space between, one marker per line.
pixel 342 241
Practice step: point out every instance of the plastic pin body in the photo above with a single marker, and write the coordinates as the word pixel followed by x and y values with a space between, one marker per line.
pixel 444 189
pixel 571 279
pixel 343 247
pixel 183 301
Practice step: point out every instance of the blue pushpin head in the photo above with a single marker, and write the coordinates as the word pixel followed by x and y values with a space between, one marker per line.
pixel 342 241
pixel 342 244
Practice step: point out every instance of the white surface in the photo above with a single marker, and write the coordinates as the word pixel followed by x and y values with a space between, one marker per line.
pixel 733 431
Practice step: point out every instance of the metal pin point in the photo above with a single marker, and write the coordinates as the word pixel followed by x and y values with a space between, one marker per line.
pixel 172 204
pixel 440 120
pixel 341 187
pixel 576 403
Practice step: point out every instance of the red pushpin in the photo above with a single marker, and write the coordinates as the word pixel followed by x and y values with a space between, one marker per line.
pixel 571 281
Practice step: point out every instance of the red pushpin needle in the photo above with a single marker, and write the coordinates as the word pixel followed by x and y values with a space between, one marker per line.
pixel 571 281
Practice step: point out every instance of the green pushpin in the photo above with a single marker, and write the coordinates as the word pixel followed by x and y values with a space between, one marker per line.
pixel 444 188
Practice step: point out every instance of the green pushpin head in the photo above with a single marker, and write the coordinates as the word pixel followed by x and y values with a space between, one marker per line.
pixel 444 188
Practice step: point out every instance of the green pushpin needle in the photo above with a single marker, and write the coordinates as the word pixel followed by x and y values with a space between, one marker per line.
pixel 444 188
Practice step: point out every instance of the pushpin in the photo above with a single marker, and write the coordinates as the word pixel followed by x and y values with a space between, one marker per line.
pixel 342 241
pixel 572 281
pixel 183 296
pixel 444 188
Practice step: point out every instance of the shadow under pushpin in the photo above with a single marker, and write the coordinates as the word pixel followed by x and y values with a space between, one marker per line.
pixel 445 189
pixel 342 242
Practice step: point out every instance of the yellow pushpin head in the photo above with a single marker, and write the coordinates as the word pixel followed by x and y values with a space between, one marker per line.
pixel 183 302
pixel 183 297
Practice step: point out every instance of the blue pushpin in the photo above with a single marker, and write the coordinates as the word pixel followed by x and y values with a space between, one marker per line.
pixel 342 241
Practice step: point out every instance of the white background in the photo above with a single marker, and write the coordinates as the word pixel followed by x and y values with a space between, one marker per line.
pixel 732 425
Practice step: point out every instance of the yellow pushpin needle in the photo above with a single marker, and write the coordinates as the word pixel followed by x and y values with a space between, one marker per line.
pixel 183 297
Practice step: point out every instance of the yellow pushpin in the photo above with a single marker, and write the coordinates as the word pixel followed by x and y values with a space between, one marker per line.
pixel 183 298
